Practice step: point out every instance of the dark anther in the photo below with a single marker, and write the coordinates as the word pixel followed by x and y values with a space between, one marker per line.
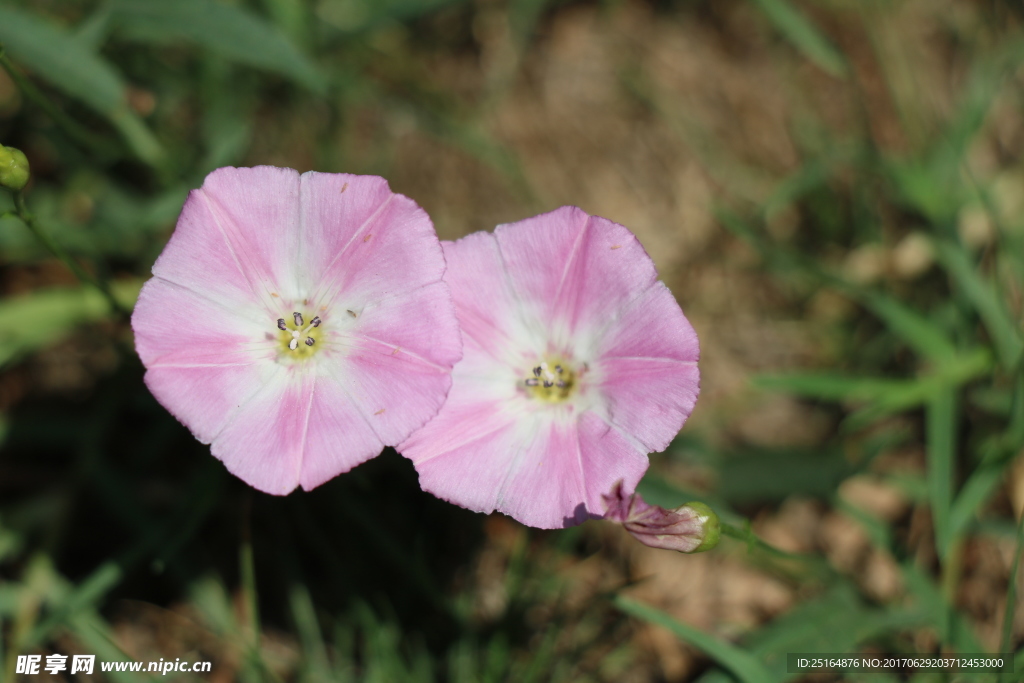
pixel 298 318
pixel 315 322
pixel 548 385
pixel 532 382
pixel 310 341
pixel 281 324
pixel 560 384
pixel 536 371
pixel 558 369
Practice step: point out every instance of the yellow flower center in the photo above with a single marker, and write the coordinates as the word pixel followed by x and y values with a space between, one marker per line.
pixel 297 338
pixel 552 380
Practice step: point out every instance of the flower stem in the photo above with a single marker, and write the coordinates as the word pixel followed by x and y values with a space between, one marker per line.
pixel 22 212
pixel 754 541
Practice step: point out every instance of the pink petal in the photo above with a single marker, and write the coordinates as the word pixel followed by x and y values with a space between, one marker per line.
pixel 419 326
pixel 648 369
pixel 610 456
pixel 204 397
pixel 575 268
pixel 307 425
pixel 265 438
pixel 560 469
pixel 490 315
pixel 362 242
pixel 236 239
pixel 341 432
pixel 544 485
pixel 397 366
pixel 396 393
pixel 200 373
pixel 544 472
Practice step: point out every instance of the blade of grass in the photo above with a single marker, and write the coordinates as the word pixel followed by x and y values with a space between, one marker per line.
pixel 248 571
pixel 836 620
pixel 1006 638
pixel 975 491
pixel 730 657
pixel 799 30
pixel 827 386
pixel 918 332
pixel 77 132
pixel 985 299
pixel 941 416
pixel 956 632
pixel 55 314
pixel 884 396
pixel 95 634
pixel 58 57
pixel 229 30
pixel 314 653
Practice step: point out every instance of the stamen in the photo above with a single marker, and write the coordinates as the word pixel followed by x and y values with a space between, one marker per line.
pixel 550 381
pixel 315 322
pixel 293 344
pixel 298 319
pixel 310 341
pixel 281 325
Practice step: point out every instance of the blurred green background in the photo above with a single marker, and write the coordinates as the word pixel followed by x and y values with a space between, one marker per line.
pixel 834 190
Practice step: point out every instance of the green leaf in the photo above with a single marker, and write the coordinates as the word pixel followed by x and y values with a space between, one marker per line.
pixel 760 476
pixel 835 621
pixel 921 187
pixel 81 598
pixel 39 319
pixel 228 30
pixel 314 653
pixel 883 396
pixel 831 387
pixel 67 62
pixel 745 667
pixel 954 629
pixel 92 32
pixel 991 309
pixel 58 57
pixel 941 416
pixel 918 332
pixel 356 16
pixel 97 637
pixel 974 493
pixel 799 30
pixel 1006 637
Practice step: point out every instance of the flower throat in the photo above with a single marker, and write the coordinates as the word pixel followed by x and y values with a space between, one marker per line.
pixel 298 340
pixel 552 381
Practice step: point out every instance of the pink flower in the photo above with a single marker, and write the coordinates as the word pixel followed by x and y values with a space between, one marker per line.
pixel 578 363
pixel 298 324
pixel 691 528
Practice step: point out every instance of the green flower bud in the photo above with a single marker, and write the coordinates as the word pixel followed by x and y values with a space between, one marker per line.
pixel 710 524
pixel 13 168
